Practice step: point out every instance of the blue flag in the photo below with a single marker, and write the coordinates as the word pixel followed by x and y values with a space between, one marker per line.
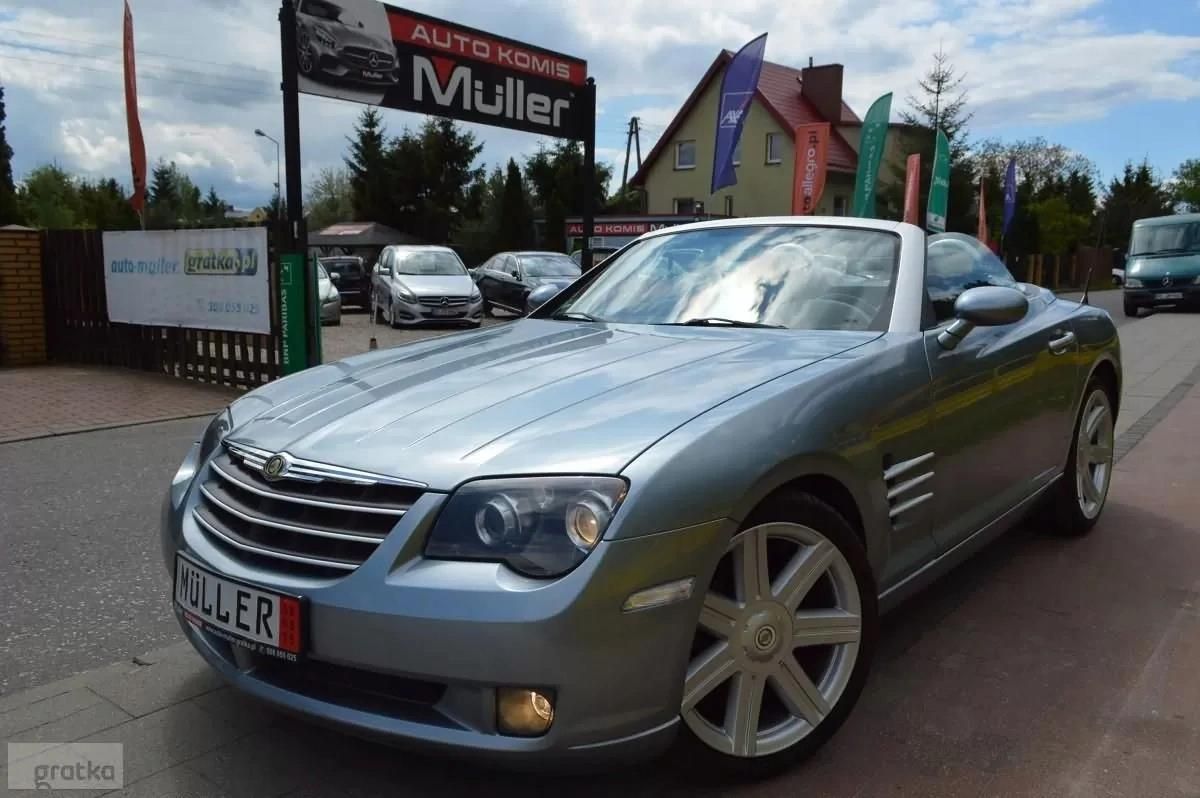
pixel 737 90
pixel 1010 194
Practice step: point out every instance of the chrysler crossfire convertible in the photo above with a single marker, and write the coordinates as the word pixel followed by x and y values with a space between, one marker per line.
pixel 665 509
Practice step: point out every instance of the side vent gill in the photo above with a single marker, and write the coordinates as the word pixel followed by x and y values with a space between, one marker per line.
pixel 904 481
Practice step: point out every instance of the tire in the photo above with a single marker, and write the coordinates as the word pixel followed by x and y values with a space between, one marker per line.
pixel 1131 309
pixel 1072 509
pixel 741 642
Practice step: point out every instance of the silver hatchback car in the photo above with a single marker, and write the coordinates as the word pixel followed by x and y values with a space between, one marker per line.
pixel 416 284
pixel 669 504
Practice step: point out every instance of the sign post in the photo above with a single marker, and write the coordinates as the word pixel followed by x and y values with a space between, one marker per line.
pixel 292 313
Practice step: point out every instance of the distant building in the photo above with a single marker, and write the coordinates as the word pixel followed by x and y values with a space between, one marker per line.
pixel 677 173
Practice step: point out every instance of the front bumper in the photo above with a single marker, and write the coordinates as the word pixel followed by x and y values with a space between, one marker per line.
pixel 416 313
pixel 443 635
pixel 331 311
pixel 1159 296
pixel 336 63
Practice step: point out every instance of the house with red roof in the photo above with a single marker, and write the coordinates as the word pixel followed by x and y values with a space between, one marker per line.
pixel 677 172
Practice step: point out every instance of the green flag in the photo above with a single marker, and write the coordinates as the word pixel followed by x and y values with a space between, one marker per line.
pixel 939 186
pixel 870 153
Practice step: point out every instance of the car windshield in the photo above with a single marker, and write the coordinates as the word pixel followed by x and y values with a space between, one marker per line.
pixel 346 267
pixel 322 9
pixel 796 276
pixel 1165 239
pixel 429 263
pixel 549 266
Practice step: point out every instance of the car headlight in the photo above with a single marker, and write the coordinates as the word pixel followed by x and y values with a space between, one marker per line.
pixel 475 295
pixel 1133 282
pixel 216 431
pixel 324 37
pixel 538 526
pixel 404 295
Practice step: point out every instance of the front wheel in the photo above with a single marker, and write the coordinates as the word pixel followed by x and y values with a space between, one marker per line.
pixel 785 639
pixel 1076 502
pixel 1131 309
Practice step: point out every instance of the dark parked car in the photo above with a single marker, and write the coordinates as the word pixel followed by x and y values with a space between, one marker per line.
pixel 598 254
pixel 1163 267
pixel 351 277
pixel 506 280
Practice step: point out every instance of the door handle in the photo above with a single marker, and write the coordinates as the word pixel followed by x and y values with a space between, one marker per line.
pixel 1060 346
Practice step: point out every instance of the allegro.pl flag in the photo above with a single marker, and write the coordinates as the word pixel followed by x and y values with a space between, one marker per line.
pixel 137 146
pixel 737 91
pixel 1010 194
pixel 870 154
pixel 808 182
pixel 912 187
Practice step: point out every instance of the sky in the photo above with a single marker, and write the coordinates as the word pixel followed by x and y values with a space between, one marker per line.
pixel 1116 80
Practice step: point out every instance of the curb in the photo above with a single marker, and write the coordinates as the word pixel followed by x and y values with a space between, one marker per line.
pixel 99 427
pixel 1140 428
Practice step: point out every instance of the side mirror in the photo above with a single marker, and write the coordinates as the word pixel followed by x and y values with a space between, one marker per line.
pixel 540 296
pixel 516 274
pixel 335 277
pixel 985 306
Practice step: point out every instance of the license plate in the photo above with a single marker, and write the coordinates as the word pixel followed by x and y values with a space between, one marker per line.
pixel 263 621
pixel 1172 295
pixel 445 312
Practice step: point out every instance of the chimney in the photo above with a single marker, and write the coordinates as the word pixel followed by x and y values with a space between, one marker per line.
pixel 822 86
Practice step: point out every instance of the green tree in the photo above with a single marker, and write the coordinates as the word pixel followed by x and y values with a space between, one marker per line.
pixel 103 205
pixel 942 102
pixel 557 182
pixel 174 200
pixel 10 212
pixel 1038 160
pixel 213 207
pixel 370 166
pixel 1186 186
pixel 49 198
pixel 330 199
pixel 515 223
pixel 1059 228
pixel 1137 194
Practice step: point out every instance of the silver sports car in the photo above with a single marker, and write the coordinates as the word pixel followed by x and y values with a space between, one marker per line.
pixel 669 505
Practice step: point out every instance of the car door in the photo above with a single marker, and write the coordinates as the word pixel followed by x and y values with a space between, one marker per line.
pixel 487 279
pixel 507 285
pixel 380 279
pixel 998 408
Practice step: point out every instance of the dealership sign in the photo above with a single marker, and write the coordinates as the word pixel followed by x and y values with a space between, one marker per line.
pixel 205 279
pixel 370 52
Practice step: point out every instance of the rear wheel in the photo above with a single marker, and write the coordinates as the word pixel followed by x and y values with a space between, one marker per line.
pixel 785 639
pixel 1078 499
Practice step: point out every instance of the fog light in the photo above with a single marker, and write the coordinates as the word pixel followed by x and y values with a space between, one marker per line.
pixel 523 712
pixel 659 595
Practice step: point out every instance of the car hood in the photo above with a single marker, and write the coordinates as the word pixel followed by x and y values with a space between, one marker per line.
pixel 531 397
pixel 437 285
pixel 1182 267
pixel 351 35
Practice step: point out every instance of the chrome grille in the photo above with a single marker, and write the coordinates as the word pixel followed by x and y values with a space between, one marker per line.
pixel 361 56
pixel 443 301
pixel 317 520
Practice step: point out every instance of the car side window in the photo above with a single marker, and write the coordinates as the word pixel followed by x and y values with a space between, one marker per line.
pixel 955 262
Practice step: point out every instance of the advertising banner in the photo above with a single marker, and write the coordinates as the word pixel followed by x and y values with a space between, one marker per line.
pixel 1010 194
pixel 133 123
pixel 205 279
pixel 870 154
pixel 369 52
pixel 737 90
pixel 808 182
pixel 294 348
pixel 912 187
pixel 982 232
pixel 939 186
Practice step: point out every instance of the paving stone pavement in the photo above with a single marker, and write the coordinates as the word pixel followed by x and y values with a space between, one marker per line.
pixel 39 401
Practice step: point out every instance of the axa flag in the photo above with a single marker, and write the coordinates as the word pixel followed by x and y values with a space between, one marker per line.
pixel 939 186
pixel 1010 194
pixel 137 146
pixel 870 154
pixel 737 90
pixel 912 187
pixel 808 183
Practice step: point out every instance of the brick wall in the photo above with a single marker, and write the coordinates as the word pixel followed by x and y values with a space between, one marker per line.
pixel 22 322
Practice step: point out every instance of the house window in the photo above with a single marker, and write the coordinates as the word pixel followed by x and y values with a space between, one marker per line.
pixel 685 154
pixel 774 148
pixel 729 205
pixel 685 205
pixel 839 206
pixel 737 153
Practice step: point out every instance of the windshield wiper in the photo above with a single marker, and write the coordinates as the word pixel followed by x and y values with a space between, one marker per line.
pixel 717 321
pixel 575 315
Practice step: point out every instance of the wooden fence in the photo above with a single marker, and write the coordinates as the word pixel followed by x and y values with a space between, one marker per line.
pixel 78 329
pixel 1060 272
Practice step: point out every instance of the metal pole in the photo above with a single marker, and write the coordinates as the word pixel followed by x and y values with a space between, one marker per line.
pixel 589 171
pixel 297 235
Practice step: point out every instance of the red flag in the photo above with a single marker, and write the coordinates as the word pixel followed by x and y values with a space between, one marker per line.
pixel 808 182
pixel 982 233
pixel 912 187
pixel 137 146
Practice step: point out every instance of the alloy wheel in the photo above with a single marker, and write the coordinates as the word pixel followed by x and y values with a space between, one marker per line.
pixel 305 51
pixel 1094 454
pixel 777 642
